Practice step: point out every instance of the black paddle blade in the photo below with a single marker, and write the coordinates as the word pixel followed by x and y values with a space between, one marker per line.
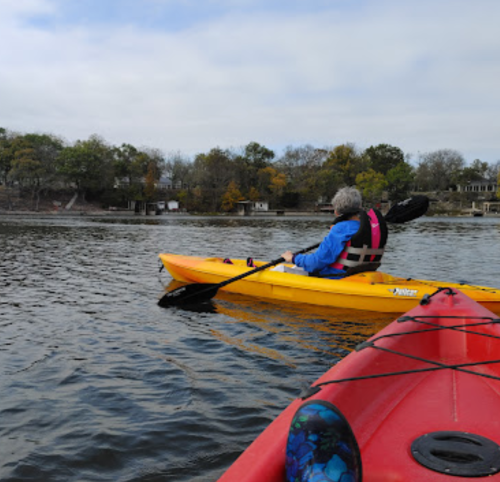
pixel 408 209
pixel 189 295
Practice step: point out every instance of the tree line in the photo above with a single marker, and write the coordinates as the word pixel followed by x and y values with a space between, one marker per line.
pixel 300 178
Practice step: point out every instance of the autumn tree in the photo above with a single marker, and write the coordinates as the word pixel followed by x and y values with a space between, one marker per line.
pixel 155 157
pixel 150 183
pixel 346 161
pixel 253 194
pixel 196 200
pixel 231 197
pixel 272 183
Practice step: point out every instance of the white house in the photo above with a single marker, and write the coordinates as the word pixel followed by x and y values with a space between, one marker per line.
pixel 479 186
pixel 261 206
pixel 246 208
pixel 173 205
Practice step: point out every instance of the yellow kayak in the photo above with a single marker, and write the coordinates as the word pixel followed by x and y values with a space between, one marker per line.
pixel 371 291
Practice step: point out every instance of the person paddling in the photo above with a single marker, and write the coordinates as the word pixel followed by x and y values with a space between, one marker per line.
pixel 354 244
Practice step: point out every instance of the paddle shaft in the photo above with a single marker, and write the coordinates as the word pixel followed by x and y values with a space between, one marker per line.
pixel 201 292
pixel 264 266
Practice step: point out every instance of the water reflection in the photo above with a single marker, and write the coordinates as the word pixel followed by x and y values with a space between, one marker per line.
pixel 320 329
pixel 335 330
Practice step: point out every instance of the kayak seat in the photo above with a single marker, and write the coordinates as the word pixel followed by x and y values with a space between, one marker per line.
pixel 227 261
pixel 321 446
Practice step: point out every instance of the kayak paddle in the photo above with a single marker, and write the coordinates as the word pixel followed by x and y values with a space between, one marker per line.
pixel 201 292
pixel 401 212
pixel 409 209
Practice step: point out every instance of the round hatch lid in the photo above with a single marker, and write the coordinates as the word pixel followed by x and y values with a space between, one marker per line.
pixel 457 453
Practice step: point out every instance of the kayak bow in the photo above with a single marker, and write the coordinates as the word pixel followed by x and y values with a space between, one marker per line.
pixel 421 397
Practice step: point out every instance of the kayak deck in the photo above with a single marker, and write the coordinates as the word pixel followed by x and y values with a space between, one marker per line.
pixel 371 291
pixel 436 369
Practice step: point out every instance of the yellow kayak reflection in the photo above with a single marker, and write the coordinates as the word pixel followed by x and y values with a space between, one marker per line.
pixel 333 331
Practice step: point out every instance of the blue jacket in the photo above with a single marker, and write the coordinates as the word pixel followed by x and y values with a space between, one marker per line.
pixel 329 250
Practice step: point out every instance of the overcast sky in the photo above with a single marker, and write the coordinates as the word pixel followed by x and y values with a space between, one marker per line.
pixel 190 75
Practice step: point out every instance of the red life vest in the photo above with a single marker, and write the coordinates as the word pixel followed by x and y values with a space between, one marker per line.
pixel 366 247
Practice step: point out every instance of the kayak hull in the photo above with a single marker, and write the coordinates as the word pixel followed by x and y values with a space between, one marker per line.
pixel 389 413
pixel 372 291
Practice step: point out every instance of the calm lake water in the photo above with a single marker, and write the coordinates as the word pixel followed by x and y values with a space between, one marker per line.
pixel 98 383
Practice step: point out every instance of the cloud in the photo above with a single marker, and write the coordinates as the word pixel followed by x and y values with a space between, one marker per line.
pixel 419 75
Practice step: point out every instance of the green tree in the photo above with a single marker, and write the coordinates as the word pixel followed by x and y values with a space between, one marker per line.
pixel 7 153
pixel 384 157
pixel 212 173
pixel 329 181
pixel 47 149
pixel 134 168
pixel 246 166
pixel 400 180
pixel 371 185
pixel 183 197
pixel 31 160
pixel 127 166
pixel 128 171
pixel 258 156
pixel 27 171
pixel 88 165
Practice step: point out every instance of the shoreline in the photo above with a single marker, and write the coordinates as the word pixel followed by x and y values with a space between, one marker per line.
pixel 127 213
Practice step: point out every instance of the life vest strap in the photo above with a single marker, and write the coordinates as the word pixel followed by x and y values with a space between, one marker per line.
pixel 364 250
pixel 364 255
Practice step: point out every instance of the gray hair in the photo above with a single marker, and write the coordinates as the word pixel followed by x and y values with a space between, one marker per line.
pixel 347 199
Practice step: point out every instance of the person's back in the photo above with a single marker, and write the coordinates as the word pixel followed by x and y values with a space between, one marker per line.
pixel 320 262
pixel 337 254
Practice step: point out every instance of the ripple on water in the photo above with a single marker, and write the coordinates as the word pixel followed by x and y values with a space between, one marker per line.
pixel 100 384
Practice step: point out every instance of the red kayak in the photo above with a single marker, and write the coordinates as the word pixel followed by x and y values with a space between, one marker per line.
pixel 419 401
